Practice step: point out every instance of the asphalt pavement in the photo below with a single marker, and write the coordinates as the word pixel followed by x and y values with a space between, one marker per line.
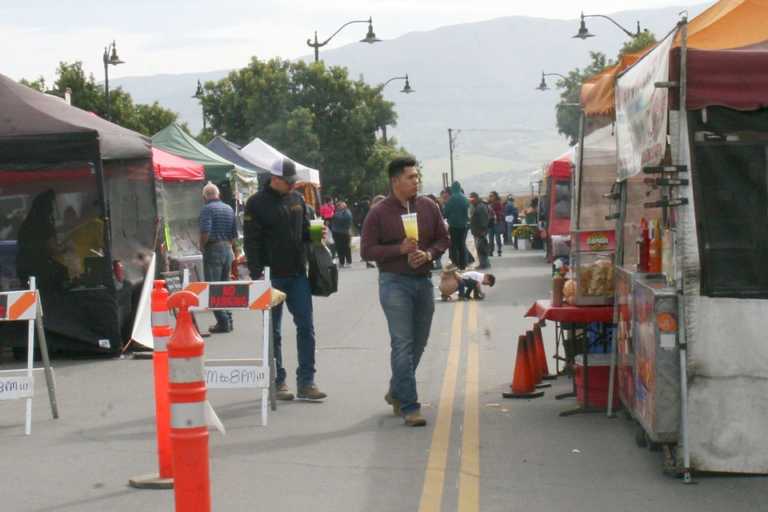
pixel 349 453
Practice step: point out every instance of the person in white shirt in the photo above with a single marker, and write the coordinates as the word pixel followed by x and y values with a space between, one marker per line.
pixel 472 283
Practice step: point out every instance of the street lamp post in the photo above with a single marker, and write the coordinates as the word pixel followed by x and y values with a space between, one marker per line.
pixel 584 33
pixel 199 93
pixel 543 84
pixel 407 89
pixel 110 59
pixel 369 38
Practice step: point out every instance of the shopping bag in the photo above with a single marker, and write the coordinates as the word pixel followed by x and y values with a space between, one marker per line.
pixel 323 272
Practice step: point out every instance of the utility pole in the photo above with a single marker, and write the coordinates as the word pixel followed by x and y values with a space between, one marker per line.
pixel 450 150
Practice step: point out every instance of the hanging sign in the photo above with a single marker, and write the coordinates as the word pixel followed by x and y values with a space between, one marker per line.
pixel 642 110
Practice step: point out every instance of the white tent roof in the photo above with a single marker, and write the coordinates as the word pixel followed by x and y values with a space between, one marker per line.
pixel 264 155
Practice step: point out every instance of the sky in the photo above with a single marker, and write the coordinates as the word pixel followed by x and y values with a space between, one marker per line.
pixel 178 36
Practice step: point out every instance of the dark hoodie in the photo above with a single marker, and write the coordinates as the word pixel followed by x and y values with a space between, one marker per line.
pixel 457 208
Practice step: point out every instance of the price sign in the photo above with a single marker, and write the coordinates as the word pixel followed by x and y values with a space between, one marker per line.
pixel 221 296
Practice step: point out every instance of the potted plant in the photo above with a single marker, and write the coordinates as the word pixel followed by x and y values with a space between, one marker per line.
pixel 524 235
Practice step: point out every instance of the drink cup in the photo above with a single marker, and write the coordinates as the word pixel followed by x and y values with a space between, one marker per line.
pixel 316 231
pixel 411 226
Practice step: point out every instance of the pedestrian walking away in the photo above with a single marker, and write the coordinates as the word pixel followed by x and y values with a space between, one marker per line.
pixel 457 215
pixel 405 288
pixel 218 243
pixel 479 227
pixel 341 226
pixel 276 229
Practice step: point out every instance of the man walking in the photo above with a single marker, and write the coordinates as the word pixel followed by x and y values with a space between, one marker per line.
pixel 218 237
pixel 457 215
pixel 405 288
pixel 341 226
pixel 276 230
pixel 479 227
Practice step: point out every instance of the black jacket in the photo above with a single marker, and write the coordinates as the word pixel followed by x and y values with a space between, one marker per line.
pixel 276 230
pixel 478 223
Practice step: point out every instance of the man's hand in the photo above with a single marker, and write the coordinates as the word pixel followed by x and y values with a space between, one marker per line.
pixel 418 258
pixel 408 246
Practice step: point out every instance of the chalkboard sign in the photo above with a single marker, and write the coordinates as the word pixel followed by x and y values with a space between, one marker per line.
pixel 3 307
pixel 228 296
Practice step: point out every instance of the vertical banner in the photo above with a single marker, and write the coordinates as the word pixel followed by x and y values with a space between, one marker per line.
pixel 642 110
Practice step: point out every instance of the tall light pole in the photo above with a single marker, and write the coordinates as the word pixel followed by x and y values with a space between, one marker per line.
pixel 543 84
pixel 110 59
pixel 451 145
pixel 369 38
pixel 199 93
pixel 407 89
pixel 583 32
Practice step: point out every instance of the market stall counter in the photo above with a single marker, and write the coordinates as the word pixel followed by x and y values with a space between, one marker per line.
pixel 569 320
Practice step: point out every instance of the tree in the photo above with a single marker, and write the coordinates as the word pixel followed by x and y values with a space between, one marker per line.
pixel 88 95
pixel 315 114
pixel 567 112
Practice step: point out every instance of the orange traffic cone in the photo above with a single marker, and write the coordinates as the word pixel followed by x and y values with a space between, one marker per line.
pixel 523 383
pixel 538 372
pixel 541 355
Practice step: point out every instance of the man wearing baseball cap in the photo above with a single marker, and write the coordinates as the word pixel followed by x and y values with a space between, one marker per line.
pixel 276 229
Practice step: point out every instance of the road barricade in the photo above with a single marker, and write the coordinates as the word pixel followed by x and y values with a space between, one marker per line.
pixel 240 373
pixel 20 306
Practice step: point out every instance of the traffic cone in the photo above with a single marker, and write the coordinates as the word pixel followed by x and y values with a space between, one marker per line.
pixel 541 355
pixel 523 384
pixel 161 333
pixel 538 372
pixel 187 393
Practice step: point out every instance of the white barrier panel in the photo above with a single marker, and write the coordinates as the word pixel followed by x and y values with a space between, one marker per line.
pixel 236 374
pixel 13 388
pixel 250 295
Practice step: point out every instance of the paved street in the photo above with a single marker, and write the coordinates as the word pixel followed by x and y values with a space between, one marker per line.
pixel 479 452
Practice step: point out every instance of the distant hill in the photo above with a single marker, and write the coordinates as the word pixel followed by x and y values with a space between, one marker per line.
pixel 476 77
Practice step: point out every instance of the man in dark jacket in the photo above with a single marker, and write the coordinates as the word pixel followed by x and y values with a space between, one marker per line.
pixel 276 229
pixel 457 214
pixel 478 224
pixel 341 227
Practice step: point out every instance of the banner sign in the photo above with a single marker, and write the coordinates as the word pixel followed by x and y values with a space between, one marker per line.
pixel 642 111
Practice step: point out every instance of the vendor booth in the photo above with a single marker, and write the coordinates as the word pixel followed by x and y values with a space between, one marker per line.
pixel 178 185
pixel 77 211
pixel 692 139
pixel 245 184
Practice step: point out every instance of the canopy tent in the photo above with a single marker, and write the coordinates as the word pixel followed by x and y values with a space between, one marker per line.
pixel 728 24
pixel 170 167
pixel 234 154
pixel 175 140
pixel 58 157
pixel 264 155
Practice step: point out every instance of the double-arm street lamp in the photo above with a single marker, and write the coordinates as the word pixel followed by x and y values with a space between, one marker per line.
pixel 543 85
pixel 110 59
pixel 405 90
pixel 369 38
pixel 199 93
pixel 584 33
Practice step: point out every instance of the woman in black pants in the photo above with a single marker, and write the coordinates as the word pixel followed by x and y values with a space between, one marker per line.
pixel 341 224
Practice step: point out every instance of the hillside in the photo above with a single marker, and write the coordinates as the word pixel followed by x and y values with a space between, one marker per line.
pixel 477 77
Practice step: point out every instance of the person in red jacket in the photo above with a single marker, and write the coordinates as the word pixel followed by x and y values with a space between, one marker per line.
pixel 499 224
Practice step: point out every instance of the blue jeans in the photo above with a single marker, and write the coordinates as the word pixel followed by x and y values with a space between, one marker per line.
pixel 217 266
pixel 299 302
pixel 408 304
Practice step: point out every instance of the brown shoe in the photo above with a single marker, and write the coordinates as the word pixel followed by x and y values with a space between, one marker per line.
pixel 394 402
pixel 310 393
pixel 283 393
pixel 415 419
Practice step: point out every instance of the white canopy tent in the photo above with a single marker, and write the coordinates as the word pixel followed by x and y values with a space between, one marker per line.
pixel 264 155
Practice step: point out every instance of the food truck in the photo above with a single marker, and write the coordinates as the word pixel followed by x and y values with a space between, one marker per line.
pixel 555 205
